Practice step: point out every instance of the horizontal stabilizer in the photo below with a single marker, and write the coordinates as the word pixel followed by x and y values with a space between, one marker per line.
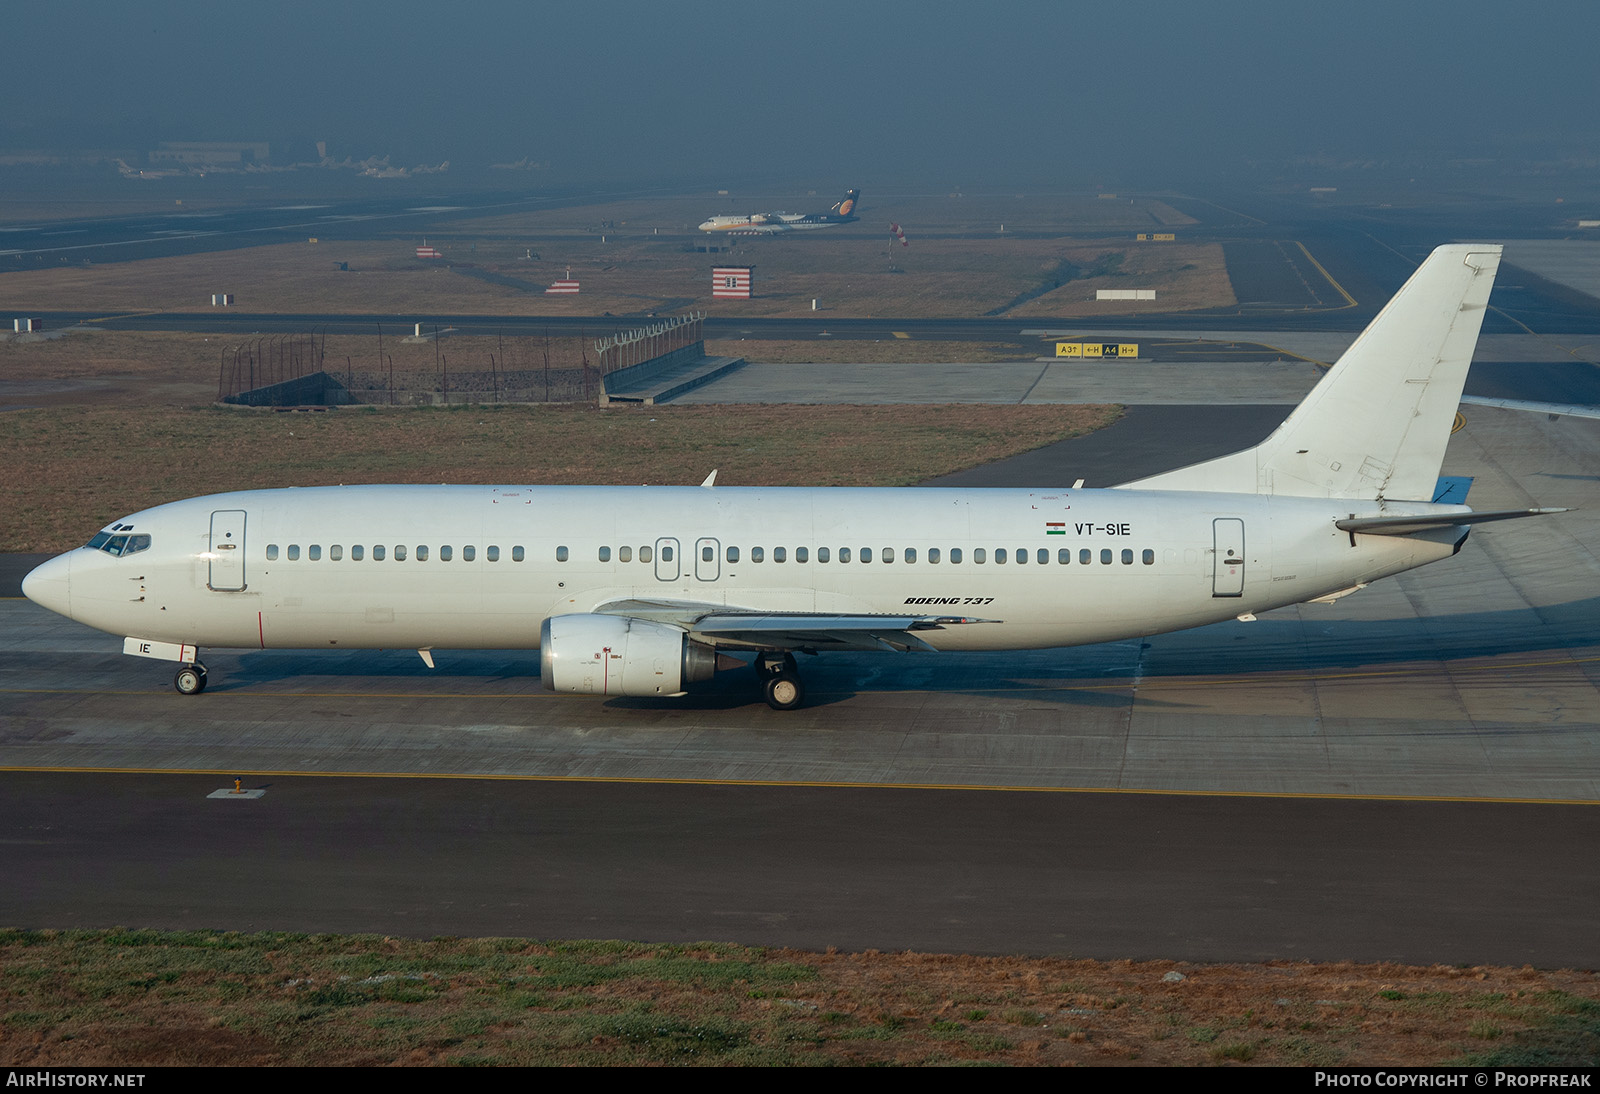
pixel 1555 410
pixel 1405 526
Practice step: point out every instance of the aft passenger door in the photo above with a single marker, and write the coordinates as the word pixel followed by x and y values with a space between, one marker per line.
pixel 227 551
pixel 1227 560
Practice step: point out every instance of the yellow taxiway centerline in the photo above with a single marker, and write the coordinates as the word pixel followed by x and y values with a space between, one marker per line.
pixel 802 784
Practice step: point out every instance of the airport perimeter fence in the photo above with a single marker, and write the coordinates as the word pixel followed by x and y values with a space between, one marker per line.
pixel 645 344
pixel 268 361
pixel 297 369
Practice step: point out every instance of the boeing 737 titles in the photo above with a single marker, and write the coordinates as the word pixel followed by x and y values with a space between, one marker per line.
pixel 644 591
pixel 767 224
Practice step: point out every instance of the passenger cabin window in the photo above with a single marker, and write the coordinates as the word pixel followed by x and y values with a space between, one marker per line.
pixel 955 556
pixel 272 552
pixel 561 554
pixel 422 553
pixel 999 556
pixel 844 554
pixel 357 552
pixel 1085 556
pixel 336 553
pixel 294 552
pixel 518 554
pixel 888 554
pixel 399 552
pixel 605 554
pixel 493 554
pixel 1105 556
pixel 708 553
pixel 377 552
pixel 1127 556
pixel 758 554
pixel 1149 557
pixel 822 554
pixel 646 554
pixel 933 556
pixel 866 554
pixel 979 556
pixel 468 554
pixel 911 554
pixel 733 554
pixel 1064 556
pixel 802 554
pixel 666 554
pixel 624 554
pixel 1043 557
pixel 446 552
pixel 314 552
pixel 780 554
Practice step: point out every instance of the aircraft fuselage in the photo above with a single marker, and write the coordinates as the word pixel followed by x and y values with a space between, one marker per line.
pixel 481 567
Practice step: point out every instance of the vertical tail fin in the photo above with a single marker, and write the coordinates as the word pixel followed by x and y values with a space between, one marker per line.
pixel 845 206
pixel 1376 425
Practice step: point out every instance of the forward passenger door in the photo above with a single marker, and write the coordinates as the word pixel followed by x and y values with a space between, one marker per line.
pixel 227 551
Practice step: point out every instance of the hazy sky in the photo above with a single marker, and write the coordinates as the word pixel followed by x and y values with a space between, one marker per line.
pixel 823 92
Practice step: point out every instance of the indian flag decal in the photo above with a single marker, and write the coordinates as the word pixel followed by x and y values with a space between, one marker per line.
pixel 1055 527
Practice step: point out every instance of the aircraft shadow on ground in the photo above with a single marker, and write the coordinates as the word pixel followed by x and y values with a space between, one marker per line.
pixel 1078 676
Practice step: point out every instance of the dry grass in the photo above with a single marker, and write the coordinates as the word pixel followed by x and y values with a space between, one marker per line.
pixel 70 470
pixel 942 213
pixel 166 367
pixel 141 998
pixel 961 264
pixel 849 276
pixel 1184 276
pixel 385 277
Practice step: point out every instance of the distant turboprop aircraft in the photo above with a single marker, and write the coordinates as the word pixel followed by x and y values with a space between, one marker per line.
pixel 771 224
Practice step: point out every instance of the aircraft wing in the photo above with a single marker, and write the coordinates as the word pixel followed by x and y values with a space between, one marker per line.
pixel 741 628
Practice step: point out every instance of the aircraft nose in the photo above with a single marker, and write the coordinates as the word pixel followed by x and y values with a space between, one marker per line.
pixel 48 585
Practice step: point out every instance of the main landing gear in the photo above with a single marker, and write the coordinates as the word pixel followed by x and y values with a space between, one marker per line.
pixel 780 680
pixel 190 679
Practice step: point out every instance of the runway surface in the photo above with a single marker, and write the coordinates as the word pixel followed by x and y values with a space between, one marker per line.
pixel 932 870
pixel 1116 800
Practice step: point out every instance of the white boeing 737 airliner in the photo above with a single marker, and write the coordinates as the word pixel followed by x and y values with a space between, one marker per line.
pixel 645 590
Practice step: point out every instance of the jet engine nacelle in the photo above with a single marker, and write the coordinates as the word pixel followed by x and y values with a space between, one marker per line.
pixel 616 655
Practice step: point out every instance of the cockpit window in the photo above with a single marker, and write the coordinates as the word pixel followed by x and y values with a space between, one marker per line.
pixel 119 545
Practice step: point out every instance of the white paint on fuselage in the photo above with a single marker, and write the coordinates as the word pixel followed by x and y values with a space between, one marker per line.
pixel 1292 550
